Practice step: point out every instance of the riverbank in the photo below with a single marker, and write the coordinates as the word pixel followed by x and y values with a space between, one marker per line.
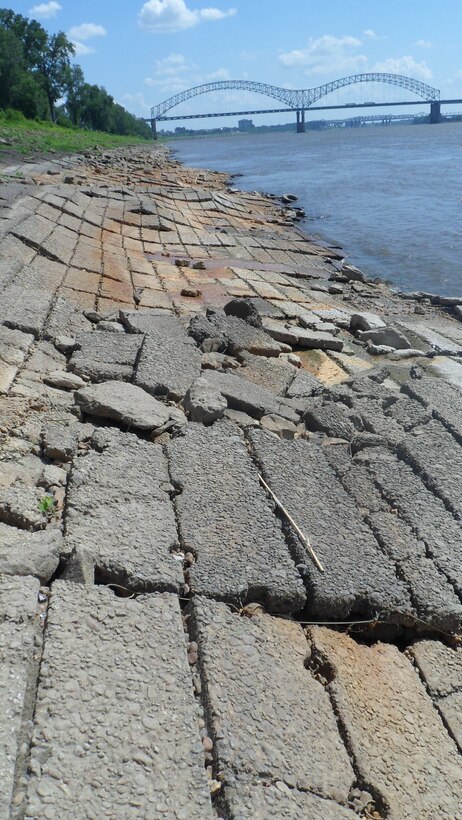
pixel 175 641
pixel 389 196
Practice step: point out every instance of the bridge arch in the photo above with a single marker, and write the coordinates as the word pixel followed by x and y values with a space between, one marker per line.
pixel 298 98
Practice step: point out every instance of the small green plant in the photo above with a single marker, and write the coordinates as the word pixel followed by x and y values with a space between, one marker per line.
pixel 47 505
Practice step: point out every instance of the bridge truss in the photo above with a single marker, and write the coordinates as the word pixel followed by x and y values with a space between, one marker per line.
pixel 300 99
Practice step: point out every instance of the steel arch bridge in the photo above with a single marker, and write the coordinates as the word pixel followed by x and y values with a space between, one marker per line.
pixel 299 99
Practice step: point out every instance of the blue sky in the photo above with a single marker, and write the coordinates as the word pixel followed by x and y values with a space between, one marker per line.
pixel 144 52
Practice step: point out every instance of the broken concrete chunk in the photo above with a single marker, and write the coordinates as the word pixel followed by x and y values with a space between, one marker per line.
pixel 250 398
pixel 123 402
pixel 244 308
pixel 272 374
pixel 280 427
pixel 365 321
pixel 29 553
pixel 104 356
pixel 203 402
pixel 143 321
pixel 331 418
pixel 19 506
pixel 301 337
pixel 304 384
pixel 388 336
pixel 63 380
pixel 240 335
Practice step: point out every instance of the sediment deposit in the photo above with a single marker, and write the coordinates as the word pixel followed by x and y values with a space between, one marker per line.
pixel 169 648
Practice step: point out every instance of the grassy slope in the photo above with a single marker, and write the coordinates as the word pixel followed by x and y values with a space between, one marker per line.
pixel 37 139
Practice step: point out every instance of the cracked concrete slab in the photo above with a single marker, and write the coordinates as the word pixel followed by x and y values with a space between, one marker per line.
pixel 398 742
pixel 119 510
pixel 103 356
pixel 29 553
pixel 115 719
pixel 226 522
pixel 19 648
pixel 269 717
pixel 169 361
pixel 299 474
pixel 251 398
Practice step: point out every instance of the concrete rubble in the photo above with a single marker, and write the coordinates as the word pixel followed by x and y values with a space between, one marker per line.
pixel 169 648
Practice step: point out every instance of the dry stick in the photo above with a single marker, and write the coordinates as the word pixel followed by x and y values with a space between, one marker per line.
pixel 291 521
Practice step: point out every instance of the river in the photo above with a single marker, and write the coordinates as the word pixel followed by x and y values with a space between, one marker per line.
pixel 391 196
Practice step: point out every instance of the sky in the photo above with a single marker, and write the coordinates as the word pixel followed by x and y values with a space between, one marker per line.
pixel 145 52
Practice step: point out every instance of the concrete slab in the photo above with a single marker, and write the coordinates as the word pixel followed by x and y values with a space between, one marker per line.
pixel 278 801
pixel 402 751
pixel 18 664
pixel 226 522
pixel 102 356
pixel 250 398
pixel 116 721
pixel 119 510
pixel 124 403
pixel 270 373
pixel 169 361
pixel 442 400
pixel 242 336
pixel 29 553
pixel 426 514
pixel 434 454
pixel 301 477
pixel 269 717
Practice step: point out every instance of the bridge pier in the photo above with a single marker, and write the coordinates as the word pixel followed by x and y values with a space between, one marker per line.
pixel 154 129
pixel 301 121
pixel 435 113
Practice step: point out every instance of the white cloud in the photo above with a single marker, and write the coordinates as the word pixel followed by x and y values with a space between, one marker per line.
pixel 424 44
pixel 370 33
pixel 175 73
pixel 45 10
pixel 81 48
pixel 162 16
pixel 87 30
pixel 327 55
pixel 136 104
pixel 405 65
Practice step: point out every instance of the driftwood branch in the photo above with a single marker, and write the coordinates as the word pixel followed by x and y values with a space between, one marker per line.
pixel 295 526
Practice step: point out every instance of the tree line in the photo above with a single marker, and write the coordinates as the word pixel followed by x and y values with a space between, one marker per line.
pixel 38 79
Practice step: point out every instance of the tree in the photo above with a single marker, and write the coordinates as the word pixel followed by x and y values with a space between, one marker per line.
pixel 53 67
pixel 75 87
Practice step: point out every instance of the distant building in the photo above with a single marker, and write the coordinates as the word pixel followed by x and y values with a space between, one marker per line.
pixel 245 125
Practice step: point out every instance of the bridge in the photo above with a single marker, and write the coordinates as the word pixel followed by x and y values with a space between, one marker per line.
pixel 300 100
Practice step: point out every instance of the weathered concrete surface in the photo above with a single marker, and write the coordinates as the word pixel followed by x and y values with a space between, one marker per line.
pixel 120 511
pixel 440 667
pixel 115 719
pixel 402 751
pixel 250 398
pixel 269 718
pixel 169 361
pixel 262 802
pixel 130 239
pixel 101 356
pixel 299 474
pixel 437 458
pixel 426 514
pixel 29 553
pixel 126 403
pixel 19 651
pixel 443 401
pixel 226 522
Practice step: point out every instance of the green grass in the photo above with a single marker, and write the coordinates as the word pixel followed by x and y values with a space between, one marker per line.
pixel 31 138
